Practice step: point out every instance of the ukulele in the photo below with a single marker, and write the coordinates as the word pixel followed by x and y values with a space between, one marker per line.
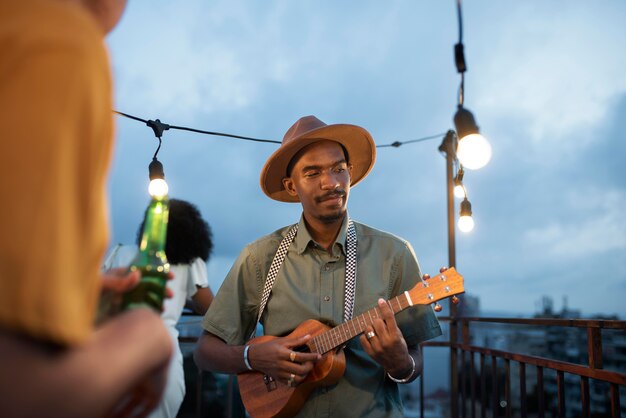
pixel 263 396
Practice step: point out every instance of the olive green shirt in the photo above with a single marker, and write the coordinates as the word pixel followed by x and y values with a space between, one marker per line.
pixel 310 285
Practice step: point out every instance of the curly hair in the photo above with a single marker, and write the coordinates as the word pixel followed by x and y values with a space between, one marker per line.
pixel 188 235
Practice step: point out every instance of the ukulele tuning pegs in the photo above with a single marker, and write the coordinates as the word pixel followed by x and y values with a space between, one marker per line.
pixel 437 307
pixel 455 300
pixel 442 269
pixel 426 276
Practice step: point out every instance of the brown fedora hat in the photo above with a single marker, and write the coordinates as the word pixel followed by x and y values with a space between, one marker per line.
pixel 307 130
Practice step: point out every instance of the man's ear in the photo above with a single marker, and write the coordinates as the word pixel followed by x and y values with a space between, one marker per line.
pixel 289 186
pixel 350 172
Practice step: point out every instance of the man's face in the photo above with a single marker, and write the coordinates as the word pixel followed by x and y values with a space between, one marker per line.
pixel 321 179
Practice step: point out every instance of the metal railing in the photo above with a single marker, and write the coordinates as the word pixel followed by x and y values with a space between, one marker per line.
pixel 495 397
pixel 495 382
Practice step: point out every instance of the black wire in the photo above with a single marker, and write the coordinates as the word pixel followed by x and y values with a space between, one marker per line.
pixel 184 128
pixel 395 144
pixel 200 131
pixel 158 148
pixel 462 86
pixel 130 116
pixel 458 8
pixel 462 90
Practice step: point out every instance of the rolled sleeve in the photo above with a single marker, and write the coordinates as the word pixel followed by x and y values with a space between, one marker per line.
pixel 232 314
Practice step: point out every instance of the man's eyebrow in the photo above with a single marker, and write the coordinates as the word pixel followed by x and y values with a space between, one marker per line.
pixel 317 167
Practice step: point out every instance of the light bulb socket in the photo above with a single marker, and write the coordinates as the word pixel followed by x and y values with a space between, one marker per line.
pixel 459 58
pixel 465 123
pixel 458 180
pixel 155 170
pixel 466 208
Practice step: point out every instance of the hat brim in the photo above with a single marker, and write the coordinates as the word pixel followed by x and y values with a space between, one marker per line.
pixel 357 141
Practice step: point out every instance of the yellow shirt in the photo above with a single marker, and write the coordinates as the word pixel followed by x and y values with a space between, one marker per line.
pixel 55 114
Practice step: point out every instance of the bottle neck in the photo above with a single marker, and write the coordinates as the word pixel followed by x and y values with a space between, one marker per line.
pixel 155 227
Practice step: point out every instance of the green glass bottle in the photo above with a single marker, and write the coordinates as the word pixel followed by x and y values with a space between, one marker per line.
pixel 151 260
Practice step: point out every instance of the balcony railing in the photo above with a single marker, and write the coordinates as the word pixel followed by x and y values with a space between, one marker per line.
pixel 546 369
pixel 486 389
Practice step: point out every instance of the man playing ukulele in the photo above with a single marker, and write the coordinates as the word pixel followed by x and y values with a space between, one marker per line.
pixel 326 268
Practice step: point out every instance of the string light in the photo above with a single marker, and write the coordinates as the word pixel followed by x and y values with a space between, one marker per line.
pixel 158 187
pixel 459 188
pixel 466 222
pixel 473 151
pixel 468 147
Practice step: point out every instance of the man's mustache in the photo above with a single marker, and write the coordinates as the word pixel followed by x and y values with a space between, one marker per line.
pixel 331 195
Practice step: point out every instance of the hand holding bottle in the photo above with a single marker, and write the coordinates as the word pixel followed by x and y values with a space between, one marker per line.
pixel 115 282
pixel 151 260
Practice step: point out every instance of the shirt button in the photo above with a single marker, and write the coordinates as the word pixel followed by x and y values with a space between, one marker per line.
pixel 326 298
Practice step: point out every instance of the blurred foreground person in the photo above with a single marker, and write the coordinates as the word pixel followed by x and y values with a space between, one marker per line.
pixel 188 248
pixel 55 110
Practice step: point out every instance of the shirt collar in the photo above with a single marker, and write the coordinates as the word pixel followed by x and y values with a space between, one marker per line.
pixel 303 237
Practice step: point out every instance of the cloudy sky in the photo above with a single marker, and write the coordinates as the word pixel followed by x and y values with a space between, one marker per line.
pixel 545 81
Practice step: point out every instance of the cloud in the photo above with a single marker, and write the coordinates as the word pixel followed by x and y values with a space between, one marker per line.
pixel 544 82
pixel 596 227
pixel 223 57
pixel 174 70
pixel 560 69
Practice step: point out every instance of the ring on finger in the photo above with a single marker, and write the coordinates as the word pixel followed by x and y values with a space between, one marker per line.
pixel 291 380
pixel 292 356
pixel 370 335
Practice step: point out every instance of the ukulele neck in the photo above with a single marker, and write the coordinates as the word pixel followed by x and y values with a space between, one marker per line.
pixel 342 333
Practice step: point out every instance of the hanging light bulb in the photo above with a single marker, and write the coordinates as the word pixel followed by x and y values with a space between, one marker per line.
pixel 473 151
pixel 158 187
pixel 459 188
pixel 466 222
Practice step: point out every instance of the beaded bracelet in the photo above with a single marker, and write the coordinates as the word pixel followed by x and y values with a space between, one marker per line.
pixel 245 357
pixel 406 379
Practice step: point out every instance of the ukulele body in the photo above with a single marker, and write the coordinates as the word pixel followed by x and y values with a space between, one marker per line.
pixel 264 397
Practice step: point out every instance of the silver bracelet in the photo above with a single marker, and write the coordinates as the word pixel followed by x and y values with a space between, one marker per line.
pixel 406 379
pixel 245 358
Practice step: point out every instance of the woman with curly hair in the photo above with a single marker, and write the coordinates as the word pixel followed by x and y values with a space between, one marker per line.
pixel 188 248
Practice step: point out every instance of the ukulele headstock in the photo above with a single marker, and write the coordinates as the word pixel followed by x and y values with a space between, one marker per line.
pixel 448 283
